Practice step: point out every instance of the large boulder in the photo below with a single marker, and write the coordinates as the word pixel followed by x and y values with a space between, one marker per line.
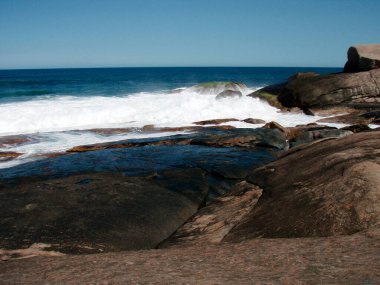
pixel 363 58
pixel 351 89
pixel 348 89
pixel 327 188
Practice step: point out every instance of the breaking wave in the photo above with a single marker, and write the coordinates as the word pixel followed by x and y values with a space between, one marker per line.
pixel 163 109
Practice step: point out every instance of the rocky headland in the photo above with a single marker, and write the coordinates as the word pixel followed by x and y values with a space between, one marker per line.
pixel 218 205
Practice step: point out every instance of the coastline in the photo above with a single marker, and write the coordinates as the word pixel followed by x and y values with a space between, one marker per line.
pixel 212 204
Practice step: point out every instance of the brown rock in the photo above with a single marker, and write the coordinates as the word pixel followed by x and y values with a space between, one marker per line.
pixel 274 125
pixel 254 121
pixel 333 260
pixel 322 189
pixel 8 155
pixel 14 140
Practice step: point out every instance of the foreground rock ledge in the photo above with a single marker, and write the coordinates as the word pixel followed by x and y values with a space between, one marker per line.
pixel 351 259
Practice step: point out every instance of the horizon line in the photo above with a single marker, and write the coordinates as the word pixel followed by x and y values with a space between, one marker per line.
pixel 137 67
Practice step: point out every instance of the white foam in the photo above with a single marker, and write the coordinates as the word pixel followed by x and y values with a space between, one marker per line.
pixel 166 110
pixel 49 116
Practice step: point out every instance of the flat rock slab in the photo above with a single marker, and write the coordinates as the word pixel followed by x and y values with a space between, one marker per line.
pixel 322 189
pixel 335 260
pixel 98 212
pixel 217 137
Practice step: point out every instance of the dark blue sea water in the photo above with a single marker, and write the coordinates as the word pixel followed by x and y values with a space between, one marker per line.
pixel 27 84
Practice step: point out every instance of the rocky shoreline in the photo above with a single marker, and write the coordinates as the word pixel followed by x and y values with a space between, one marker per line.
pixel 220 205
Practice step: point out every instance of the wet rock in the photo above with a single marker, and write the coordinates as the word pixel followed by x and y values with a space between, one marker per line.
pixel 8 155
pixel 247 138
pixel 269 94
pixel 14 140
pixel 322 189
pixel 217 137
pixel 110 131
pixel 363 58
pixel 293 132
pixel 357 128
pixel 254 121
pixel 229 94
pixel 215 122
pixel 308 136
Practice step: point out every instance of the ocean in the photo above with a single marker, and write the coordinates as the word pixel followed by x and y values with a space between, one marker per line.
pixel 53 108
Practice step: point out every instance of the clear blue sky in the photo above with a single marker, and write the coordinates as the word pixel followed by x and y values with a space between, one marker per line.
pixel 92 33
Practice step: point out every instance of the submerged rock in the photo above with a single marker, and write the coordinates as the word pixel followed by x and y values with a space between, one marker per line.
pixel 253 121
pixel 215 88
pixel 322 189
pixel 215 122
pixel 229 94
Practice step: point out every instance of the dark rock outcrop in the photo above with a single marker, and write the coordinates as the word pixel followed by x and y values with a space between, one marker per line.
pixel 321 189
pixel 229 94
pixel 310 90
pixel 363 58
pixel 348 89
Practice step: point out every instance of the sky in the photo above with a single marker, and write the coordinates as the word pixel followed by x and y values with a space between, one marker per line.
pixel 133 33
